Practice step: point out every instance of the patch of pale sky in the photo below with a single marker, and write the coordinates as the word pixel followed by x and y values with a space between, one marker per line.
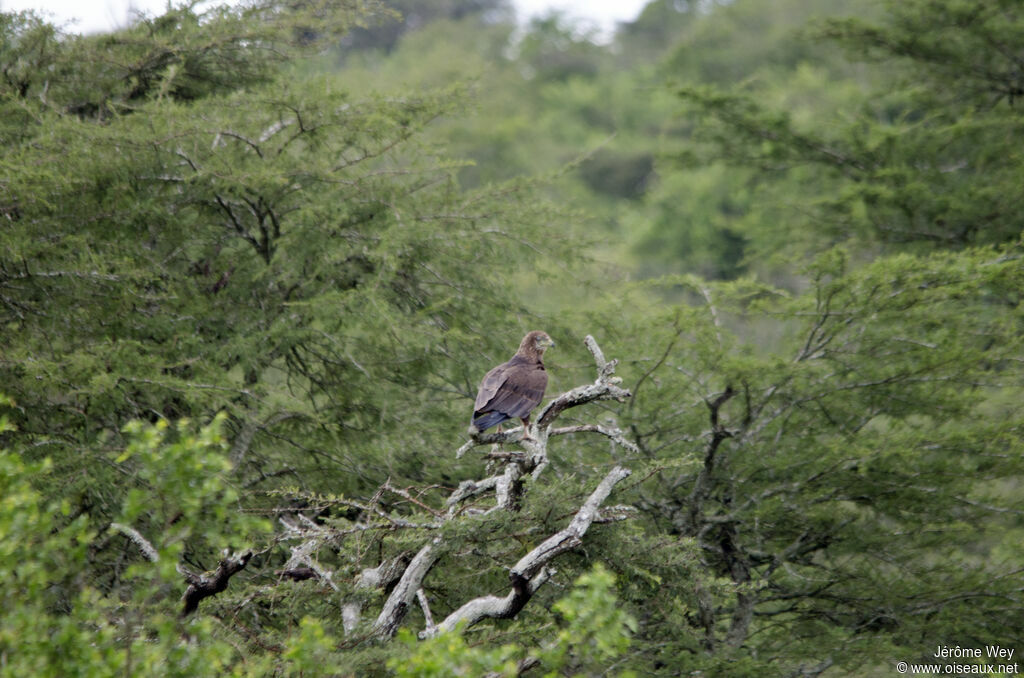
pixel 90 16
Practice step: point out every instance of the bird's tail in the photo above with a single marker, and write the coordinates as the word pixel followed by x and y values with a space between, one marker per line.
pixel 487 420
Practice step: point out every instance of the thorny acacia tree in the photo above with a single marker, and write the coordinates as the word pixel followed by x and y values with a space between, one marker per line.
pixel 851 489
pixel 331 539
pixel 194 222
pixel 857 497
pixel 461 527
pixel 827 479
pixel 921 163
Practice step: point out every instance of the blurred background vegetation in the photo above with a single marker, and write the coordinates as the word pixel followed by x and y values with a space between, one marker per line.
pixel 255 259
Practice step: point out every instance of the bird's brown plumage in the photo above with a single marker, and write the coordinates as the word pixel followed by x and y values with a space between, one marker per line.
pixel 511 390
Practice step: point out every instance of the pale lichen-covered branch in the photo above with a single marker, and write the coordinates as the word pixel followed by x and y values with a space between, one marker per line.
pixel 468 501
pixel 531 571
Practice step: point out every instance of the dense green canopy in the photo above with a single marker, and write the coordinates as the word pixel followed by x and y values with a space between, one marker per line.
pixel 255 259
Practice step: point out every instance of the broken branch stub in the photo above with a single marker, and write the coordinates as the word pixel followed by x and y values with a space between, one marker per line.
pixel 203 586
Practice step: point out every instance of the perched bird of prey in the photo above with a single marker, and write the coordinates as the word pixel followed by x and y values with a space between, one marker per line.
pixel 511 390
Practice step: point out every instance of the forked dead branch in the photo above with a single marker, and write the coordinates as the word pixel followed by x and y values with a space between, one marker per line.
pixel 407 574
pixel 404 574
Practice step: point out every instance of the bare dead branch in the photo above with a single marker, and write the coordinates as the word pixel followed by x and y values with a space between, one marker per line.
pixel 508 488
pixel 615 434
pixel 421 597
pixel 595 351
pixel 605 388
pixel 140 541
pixel 571 536
pixel 398 602
pixel 408 497
pixel 298 573
pixel 380 577
pixel 493 607
pixel 527 575
pixel 531 571
pixel 496 438
pixel 614 514
pixel 203 586
pixel 468 489
pixel 302 555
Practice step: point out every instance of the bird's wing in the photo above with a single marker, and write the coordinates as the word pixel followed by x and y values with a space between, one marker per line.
pixel 521 390
pixel 489 387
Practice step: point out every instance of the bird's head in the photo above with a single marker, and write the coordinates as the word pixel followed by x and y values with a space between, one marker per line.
pixel 537 342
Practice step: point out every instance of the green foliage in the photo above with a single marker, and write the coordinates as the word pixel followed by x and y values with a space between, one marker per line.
pixel 315 241
pixel 658 27
pixel 182 481
pixel 56 621
pixel 553 50
pixel 594 632
pixel 918 161
pixel 864 389
pixel 596 629
pixel 842 470
pixel 161 230
pixel 404 17
pixel 957 48
pixel 449 654
pixel 310 651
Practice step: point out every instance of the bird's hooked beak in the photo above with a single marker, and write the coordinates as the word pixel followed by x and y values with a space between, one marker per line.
pixel 547 342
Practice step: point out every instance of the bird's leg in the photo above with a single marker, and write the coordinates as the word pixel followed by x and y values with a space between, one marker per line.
pixel 526 428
